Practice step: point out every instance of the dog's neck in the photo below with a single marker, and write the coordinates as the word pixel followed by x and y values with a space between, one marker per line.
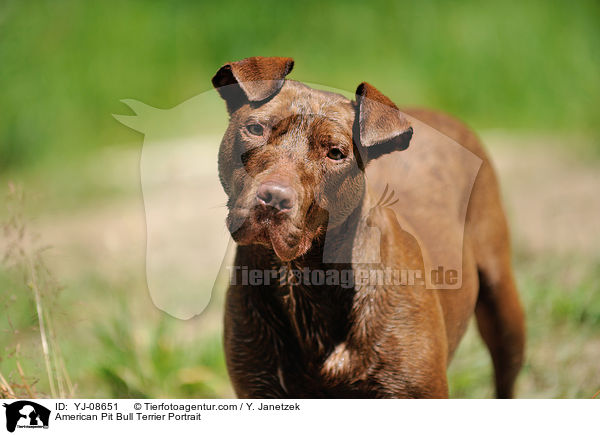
pixel 319 314
pixel 335 247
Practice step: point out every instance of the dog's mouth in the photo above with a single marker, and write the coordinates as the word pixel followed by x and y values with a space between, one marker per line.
pixel 278 231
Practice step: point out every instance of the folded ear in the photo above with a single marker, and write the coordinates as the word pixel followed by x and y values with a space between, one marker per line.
pixel 381 128
pixel 252 79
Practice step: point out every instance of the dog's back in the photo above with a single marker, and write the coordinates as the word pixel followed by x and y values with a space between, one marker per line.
pixel 486 249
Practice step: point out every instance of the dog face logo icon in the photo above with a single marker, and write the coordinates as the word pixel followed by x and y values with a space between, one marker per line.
pixel 26 414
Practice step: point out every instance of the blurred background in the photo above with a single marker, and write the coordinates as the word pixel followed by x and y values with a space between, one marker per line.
pixel 76 318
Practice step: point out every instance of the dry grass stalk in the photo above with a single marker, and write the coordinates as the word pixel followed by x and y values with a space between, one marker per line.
pixel 22 254
pixel 6 391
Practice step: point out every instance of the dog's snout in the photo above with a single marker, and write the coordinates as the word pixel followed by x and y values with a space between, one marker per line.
pixel 276 195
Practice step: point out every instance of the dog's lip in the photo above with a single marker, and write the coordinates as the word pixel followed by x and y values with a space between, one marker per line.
pixel 277 231
pixel 284 254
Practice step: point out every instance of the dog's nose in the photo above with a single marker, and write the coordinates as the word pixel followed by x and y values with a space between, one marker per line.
pixel 276 195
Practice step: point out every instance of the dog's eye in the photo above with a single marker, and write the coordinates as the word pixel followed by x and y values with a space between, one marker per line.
pixel 335 154
pixel 255 129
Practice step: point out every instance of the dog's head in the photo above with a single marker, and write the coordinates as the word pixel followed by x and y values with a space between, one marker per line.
pixel 292 160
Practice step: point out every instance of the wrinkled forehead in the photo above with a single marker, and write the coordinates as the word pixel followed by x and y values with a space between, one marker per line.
pixel 308 106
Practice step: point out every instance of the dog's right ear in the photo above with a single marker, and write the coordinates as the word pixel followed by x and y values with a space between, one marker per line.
pixel 253 79
pixel 380 128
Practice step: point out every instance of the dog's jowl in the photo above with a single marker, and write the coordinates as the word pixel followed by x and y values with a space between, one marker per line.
pixel 336 295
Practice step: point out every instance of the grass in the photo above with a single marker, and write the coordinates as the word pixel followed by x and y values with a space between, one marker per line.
pixel 129 351
pixel 526 67
pixel 115 343
pixel 112 346
pixel 150 363
pixel 24 257
pixel 563 334
pixel 510 65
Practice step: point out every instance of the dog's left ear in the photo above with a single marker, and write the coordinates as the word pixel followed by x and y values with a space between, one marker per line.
pixel 379 127
pixel 253 79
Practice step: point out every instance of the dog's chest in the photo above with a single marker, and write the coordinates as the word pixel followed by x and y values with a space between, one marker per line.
pixel 314 355
pixel 315 320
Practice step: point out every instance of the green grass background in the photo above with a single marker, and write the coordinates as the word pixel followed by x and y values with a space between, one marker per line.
pixel 524 67
pixel 64 65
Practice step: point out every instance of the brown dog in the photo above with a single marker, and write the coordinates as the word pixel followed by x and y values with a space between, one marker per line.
pixel 293 163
